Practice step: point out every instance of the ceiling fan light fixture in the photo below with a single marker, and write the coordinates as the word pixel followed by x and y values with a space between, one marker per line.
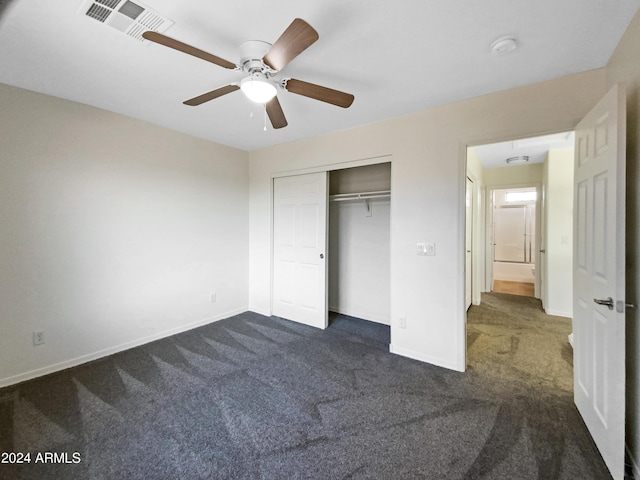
pixel 258 89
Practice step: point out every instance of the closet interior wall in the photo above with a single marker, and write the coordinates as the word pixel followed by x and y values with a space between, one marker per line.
pixel 359 249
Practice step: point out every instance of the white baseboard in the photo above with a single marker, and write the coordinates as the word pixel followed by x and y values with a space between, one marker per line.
pixel 265 313
pixel 439 362
pixel 558 313
pixel 634 463
pixel 73 362
pixel 361 315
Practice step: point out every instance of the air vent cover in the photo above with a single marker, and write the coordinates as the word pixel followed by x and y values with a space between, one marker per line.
pixel 131 18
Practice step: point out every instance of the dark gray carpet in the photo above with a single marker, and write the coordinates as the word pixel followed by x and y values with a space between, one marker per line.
pixel 252 397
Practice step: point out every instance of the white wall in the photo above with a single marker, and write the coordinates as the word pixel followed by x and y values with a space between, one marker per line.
pixel 113 232
pixel 359 260
pixel 624 67
pixel 428 184
pixel 513 176
pixel 558 230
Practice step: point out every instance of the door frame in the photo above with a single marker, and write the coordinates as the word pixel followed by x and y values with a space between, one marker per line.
pixel 469 235
pixel 318 169
pixel 477 239
pixel 463 146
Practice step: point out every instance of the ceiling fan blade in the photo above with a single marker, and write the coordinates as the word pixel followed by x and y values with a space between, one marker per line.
pixel 294 40
pixel 317 92
pixel 205 97
pixel 276 115
pixel 183 47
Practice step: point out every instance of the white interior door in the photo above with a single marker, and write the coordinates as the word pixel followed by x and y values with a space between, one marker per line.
pixel 299 248
pixel 541 263
pixel 598 274
pixel 468 242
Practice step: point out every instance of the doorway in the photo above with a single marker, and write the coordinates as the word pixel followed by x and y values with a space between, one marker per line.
pixel 359 242
pixel 542 165
pixel 514 240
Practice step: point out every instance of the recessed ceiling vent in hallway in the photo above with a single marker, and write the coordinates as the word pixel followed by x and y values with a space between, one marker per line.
pixel 131 18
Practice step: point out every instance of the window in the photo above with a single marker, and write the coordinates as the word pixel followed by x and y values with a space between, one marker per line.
pixel 517 197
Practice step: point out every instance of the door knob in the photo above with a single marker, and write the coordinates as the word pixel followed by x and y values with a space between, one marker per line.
pixel 322 255
pixel 543 251
pixel 608 302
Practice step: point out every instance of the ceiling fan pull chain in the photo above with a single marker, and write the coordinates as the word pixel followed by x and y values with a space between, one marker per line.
pixel 265 117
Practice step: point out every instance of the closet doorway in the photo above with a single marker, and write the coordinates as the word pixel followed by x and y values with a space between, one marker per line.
pixel 345 268
pixel 359 242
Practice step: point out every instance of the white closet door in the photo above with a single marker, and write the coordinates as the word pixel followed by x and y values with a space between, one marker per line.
pixel 299 248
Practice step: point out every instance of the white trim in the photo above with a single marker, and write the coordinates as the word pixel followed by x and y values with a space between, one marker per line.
pixel 355 314
pixel 264 313
pixel 39 372
pixel 335 166
pixel 438 362
pixel 460 309
pixel 558 313
pixel 634 463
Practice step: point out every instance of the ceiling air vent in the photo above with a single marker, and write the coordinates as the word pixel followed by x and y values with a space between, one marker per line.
pixel 131 18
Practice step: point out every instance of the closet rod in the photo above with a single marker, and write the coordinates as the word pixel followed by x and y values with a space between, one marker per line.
pixel 342 197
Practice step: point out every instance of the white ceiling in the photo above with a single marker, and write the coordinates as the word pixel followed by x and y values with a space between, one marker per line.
pixel 494 155
pixel 395 57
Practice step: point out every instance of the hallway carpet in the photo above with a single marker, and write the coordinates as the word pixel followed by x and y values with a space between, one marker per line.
pixel 252 397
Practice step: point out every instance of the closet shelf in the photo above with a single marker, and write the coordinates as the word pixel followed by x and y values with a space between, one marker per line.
pixel 343 197
pixel 364 197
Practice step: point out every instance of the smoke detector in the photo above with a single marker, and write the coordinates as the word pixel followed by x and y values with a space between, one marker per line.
pixel 504 45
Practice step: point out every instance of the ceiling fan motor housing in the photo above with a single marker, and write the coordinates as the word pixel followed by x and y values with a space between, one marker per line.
pixel 251 53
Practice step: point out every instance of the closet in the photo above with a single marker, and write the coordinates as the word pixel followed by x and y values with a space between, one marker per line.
pixel 359 249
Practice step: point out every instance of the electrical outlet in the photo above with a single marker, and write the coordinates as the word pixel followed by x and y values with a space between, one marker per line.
pixel 212 297
pixel 38 338
pixel 403 322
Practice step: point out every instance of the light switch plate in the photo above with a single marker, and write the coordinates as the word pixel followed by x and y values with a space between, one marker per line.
pixel 426 249
pixel 430 249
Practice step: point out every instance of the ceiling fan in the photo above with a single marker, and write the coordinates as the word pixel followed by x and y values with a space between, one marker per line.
pixel 262 62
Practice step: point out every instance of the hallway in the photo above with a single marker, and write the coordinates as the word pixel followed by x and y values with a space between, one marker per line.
pixel 511 339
